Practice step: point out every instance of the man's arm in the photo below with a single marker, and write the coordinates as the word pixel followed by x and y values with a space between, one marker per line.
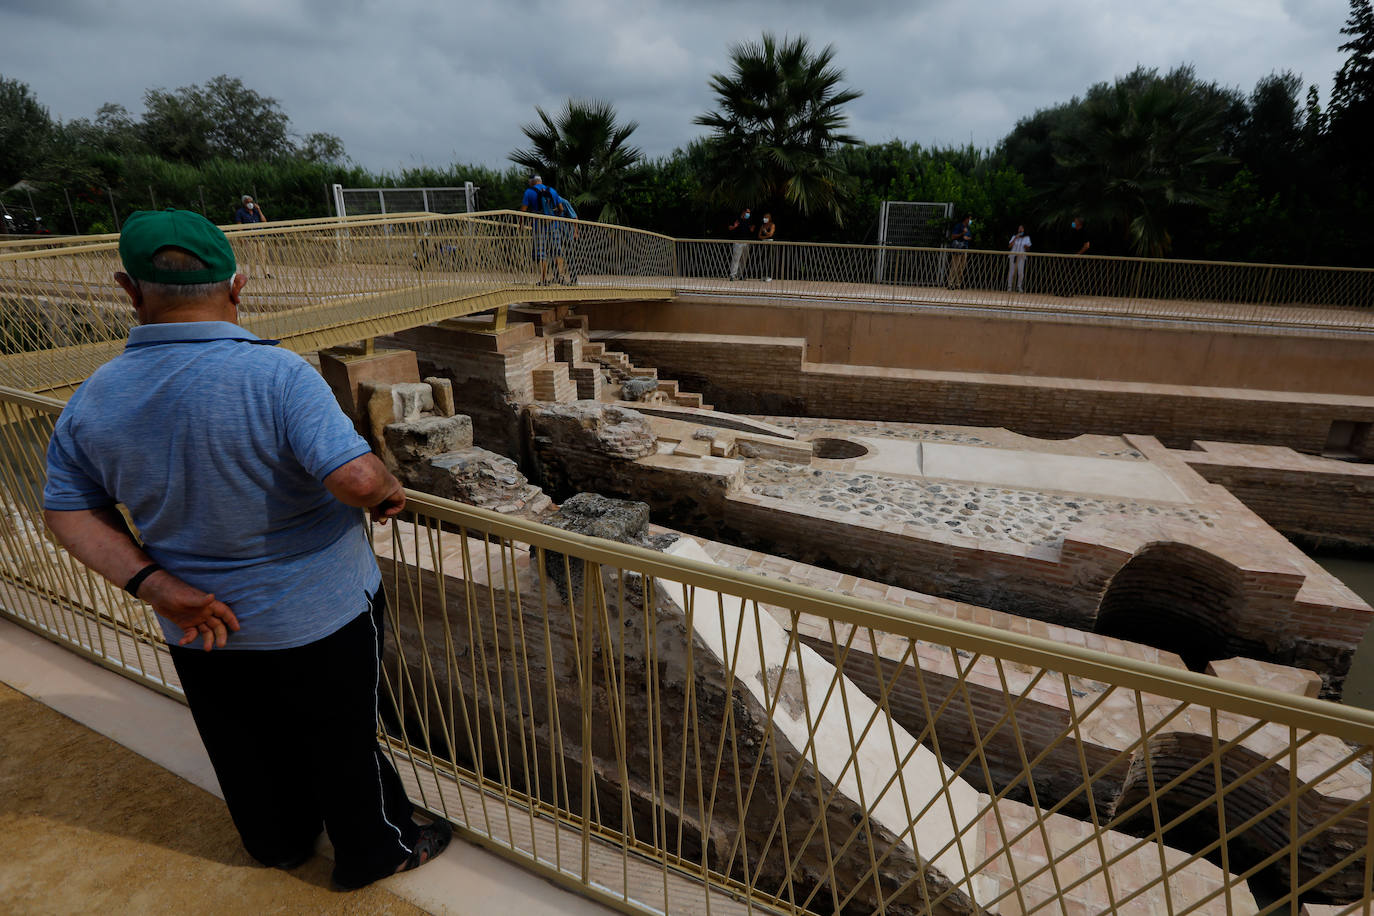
pixel 366 483
pixel 100 539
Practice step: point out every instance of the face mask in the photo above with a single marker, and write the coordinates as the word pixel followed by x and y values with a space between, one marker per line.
pixel 746 214
pixel 1073 225
pixel 250 205
pixel 765 219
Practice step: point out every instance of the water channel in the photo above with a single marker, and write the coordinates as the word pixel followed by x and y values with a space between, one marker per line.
pixel 1359 576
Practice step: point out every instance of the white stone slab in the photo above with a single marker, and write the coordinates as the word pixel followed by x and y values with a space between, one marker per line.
pixel 1025 470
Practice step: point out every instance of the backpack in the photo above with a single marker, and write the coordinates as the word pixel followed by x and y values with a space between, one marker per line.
pixel 548 201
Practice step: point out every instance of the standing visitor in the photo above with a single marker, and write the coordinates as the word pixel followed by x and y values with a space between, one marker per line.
pixel 547 243
pixel 244 480
pixel 960 239
pixel 767 231
pixel 1016 268
pixel 249 211
pixel 741 230
pixel 1079 244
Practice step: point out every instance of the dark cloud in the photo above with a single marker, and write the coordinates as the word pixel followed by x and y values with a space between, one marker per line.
pixel 405 82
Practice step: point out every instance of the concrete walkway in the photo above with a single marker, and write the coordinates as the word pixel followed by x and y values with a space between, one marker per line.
pixel 108 804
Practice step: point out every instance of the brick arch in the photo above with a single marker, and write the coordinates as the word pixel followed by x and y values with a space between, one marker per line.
pixel 1179 598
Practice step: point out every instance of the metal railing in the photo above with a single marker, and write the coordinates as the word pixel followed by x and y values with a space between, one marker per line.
pixel 317 283
pixel 1334 297
pixel 667 735
pixel 314 280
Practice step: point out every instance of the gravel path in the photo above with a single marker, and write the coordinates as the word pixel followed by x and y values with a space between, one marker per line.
pixel 1024 516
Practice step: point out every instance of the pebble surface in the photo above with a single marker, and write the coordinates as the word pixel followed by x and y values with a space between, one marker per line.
pixel 1031 517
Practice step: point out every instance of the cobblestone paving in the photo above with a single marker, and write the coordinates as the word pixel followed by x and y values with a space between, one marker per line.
pixel 1024 516
pixel 1091 446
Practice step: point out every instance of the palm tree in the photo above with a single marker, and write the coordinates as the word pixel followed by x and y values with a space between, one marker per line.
pixel 778 126
pixel 583 152
pixel 1141 151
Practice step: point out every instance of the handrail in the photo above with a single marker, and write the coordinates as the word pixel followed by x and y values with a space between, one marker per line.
pixel 619 718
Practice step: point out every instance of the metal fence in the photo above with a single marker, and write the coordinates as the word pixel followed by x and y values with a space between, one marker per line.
pixel 318 283
pixel 667 735
pixel 1172 289
pixel 381 201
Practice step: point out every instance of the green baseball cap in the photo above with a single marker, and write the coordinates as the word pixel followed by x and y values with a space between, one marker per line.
pixel 146 232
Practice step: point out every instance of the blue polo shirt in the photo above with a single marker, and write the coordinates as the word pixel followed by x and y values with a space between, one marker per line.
pixel 531 200
pixel 218 443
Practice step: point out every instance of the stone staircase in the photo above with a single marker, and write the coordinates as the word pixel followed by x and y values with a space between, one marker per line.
pixel 618 369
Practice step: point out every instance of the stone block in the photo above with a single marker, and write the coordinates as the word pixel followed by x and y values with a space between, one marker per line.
pixel 442 389
pixel 635 389
pixel 426 437
pixel 594 515
pixel 411 400
pixel 472 334
pixel 347 371
pixel 479 478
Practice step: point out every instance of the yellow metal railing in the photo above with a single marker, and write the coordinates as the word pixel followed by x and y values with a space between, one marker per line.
pixel 312 282
pixel 1334 297
pixel 665 734
pixel 320 283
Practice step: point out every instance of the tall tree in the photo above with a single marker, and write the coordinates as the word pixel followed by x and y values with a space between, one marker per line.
pixel 584 152
pixel 1147 150
pixel 25 130
pixel 778 123
pixel 1351 112
pixel 222 118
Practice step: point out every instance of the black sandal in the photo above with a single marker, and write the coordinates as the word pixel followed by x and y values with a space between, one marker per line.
pixel 434 839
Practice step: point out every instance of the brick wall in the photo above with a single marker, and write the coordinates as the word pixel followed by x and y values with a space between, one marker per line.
pixel 769 376
pixel 1319 502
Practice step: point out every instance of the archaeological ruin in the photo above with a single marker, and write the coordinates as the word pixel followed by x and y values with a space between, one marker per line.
pixel 939 491
pixel 841 593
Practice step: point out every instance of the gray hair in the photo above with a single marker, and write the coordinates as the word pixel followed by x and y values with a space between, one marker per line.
pixel 177 259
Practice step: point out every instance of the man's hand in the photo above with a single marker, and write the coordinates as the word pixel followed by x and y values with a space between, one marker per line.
pixel 198 614
pixel 365 482
pixel 390 506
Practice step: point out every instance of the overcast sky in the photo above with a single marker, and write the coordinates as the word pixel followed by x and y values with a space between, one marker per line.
pixel 405 82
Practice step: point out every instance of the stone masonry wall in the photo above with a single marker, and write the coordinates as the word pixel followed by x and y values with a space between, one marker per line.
pixel 759 375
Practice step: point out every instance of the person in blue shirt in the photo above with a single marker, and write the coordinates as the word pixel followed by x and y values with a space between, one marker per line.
pixel 547 241
pixel 244 480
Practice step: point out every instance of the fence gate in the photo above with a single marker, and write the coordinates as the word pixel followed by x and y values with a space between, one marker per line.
pixel 910 224
pixel 381 201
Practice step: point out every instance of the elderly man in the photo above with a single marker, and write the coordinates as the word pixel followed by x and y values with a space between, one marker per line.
pixel 244 480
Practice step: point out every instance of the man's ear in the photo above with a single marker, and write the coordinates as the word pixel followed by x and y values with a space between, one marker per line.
pixel 130 286
pixel 236 288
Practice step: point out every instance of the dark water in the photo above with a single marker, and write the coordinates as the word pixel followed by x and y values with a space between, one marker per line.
pixel 1359 576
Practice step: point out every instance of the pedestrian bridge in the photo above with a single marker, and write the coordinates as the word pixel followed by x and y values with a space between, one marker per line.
pixel 664 734
pixel 325 282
